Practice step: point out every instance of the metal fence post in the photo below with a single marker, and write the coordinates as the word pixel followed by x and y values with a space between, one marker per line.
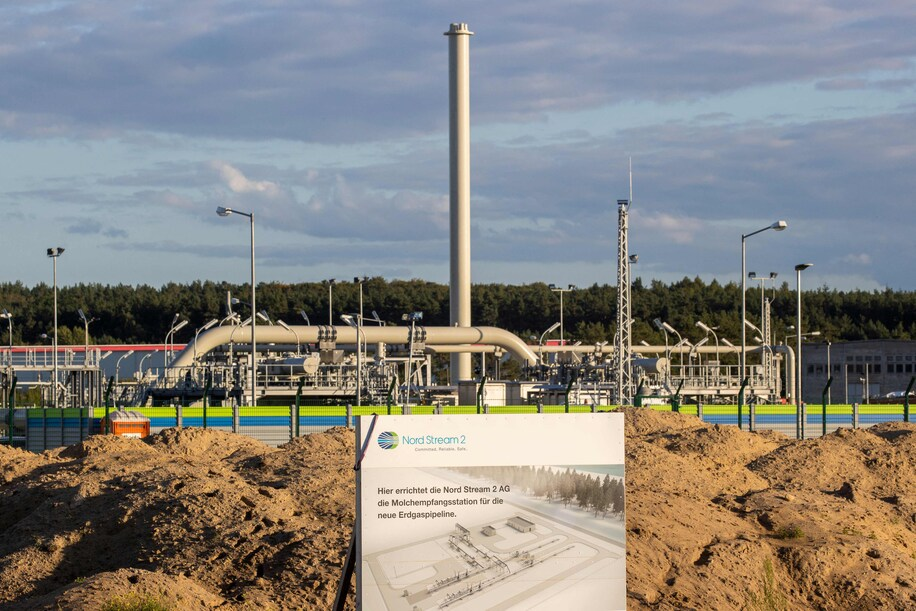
pixel 179 416
pixel 699 410
pixel 824 403
pixel 741 399
pixel 802 419
pixel 293 421
pixel 349 416
pixel 540 406
pixel 752 417
pixel 906 400
pixel 236 417
pixel 855 415
pixel 298 407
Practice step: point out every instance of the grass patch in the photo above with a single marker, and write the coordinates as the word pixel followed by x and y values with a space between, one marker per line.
pixel 847 530
pixel 769 598
pixel 136 602
pixel 789 532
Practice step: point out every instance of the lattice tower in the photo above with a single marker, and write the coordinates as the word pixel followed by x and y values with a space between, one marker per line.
pixel 624 315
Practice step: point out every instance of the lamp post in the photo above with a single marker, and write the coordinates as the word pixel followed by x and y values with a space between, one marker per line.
pixel 707 329
pixel 798 341
pixel 306 317
pixel 9 319
pixel 557 289
pixel 359 330
pixel 146 356
pixel 331 284
pixel 168 340
pixel 86 322
pixel 118 366
pixel 201 330
pixel 742 360
pixel 661 327
pixel 54 253
pixel 664 326
pixel 165 356
pixel 348 319
pixel 254 346
pixel 412 317
pixel 549 330
pixel 785 342
pixel 293 331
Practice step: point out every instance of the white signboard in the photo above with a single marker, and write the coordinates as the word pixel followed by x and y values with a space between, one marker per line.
pixel 491 512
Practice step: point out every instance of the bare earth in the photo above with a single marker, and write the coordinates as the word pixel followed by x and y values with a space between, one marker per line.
pixel 717 518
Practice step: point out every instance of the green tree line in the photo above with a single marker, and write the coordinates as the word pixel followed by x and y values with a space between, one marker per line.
pixel 143 314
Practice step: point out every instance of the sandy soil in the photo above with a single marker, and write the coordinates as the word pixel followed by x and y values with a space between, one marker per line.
pixel 717 518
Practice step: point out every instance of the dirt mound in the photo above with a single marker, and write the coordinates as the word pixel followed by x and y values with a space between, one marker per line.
pixel 127 586
pixel 717 518
pixel 15 463
pixel 725 519
pixel 209 443
pixel 212 507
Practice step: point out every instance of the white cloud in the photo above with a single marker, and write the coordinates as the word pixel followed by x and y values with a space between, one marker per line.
pixel 678 229
pixel 239 183
pixel 861 258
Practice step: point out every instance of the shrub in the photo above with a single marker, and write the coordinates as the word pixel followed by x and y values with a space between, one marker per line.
pixel 790 532
pixel 136 602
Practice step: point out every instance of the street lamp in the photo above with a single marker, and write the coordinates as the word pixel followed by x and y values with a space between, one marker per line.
pixel 146 356
pixel 254 346
pixel 293 331
pixel 804 335
pixel 557 289
pixel 549 330
pixel 201 330
pixel 169 337
pixel 348 319
pixel 306 317
pixel 707 329
pixel 118 366
pixel 798 341
pixel 9 319
pixel 412 317
pixel 86 322
pixel 664 326
pixel 331 284
pixel 742 361
pixel 694 350
pixel 54 253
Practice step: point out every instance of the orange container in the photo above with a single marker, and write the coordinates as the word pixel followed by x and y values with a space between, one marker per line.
pixel 128 424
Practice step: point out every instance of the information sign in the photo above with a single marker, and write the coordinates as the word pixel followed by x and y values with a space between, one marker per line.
pixel 504 512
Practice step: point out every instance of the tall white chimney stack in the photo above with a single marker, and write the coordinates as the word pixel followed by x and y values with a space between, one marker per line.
pixel 459 103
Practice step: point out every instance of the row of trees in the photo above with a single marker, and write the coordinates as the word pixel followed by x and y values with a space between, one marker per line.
pixel 140 314
pixel 588 491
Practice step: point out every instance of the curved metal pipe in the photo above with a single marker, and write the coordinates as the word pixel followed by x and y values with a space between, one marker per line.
pixel 218 336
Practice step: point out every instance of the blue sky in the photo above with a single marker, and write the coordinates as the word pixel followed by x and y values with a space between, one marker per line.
pixel 123 125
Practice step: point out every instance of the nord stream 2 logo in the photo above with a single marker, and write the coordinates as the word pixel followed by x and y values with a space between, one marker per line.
pixel 388 440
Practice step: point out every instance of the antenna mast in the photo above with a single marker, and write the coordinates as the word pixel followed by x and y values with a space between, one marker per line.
pixel 624 314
